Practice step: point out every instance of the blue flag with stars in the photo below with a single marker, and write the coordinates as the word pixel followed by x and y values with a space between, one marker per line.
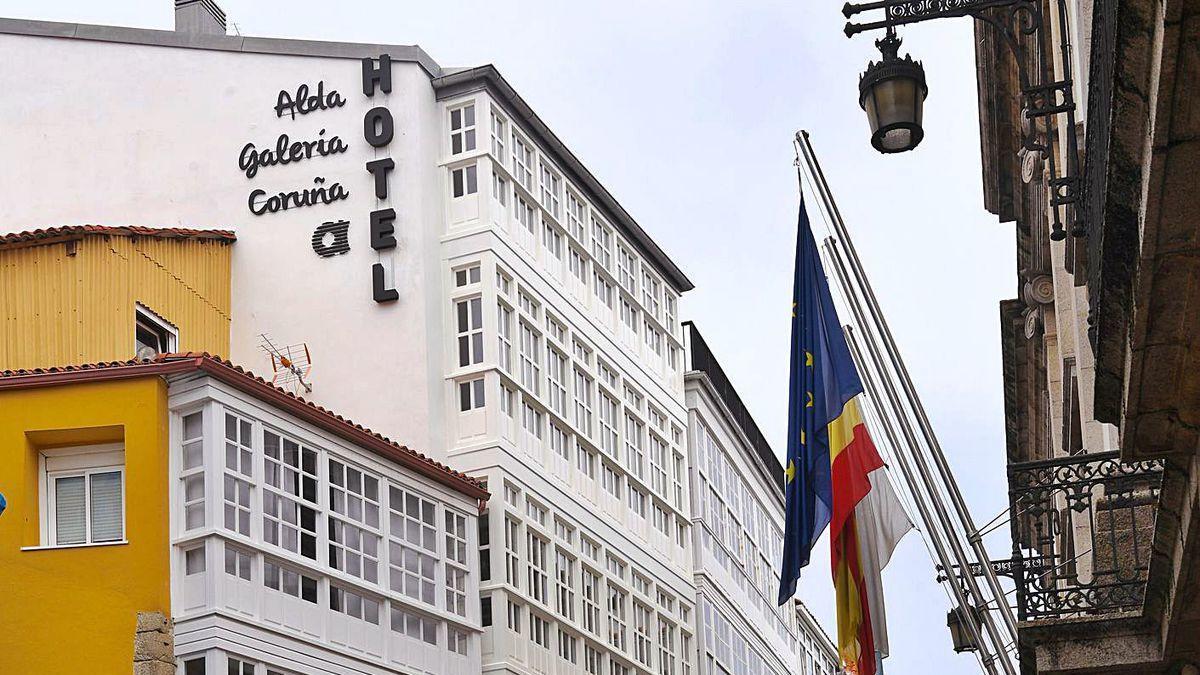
pixel 823 378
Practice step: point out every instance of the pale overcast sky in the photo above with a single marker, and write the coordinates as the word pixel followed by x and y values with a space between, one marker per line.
pixel 686 110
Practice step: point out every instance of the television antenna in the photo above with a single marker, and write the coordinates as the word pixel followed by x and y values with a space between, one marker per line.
pixel 291 365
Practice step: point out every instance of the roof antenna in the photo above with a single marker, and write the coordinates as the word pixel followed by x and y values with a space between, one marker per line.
pixel 291 364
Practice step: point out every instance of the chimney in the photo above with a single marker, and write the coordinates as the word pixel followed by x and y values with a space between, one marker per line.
pixel 199 16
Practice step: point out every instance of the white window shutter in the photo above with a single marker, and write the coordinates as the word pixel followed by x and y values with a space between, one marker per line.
pixel 70 511
pixel 106 506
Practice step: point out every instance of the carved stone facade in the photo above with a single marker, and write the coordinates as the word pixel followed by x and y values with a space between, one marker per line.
pixel 1102 388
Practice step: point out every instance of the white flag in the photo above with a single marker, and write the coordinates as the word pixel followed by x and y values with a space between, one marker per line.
pixel 881 522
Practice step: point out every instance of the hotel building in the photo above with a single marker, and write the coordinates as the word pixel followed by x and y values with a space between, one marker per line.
pixel 458 277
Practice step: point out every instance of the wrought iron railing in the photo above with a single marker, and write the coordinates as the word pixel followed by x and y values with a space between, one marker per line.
pixel 1088 522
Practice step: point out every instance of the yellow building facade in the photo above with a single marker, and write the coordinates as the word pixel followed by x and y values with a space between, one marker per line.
pixel 79 294
pixel 73 608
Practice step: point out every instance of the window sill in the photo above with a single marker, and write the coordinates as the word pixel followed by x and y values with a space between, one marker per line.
pixel 68 546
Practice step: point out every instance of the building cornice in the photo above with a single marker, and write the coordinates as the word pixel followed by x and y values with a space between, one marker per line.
pixel 225 43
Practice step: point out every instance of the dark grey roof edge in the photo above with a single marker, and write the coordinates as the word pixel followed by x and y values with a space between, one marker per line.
pixel 468 79
pixel 702 361
pixel 229 43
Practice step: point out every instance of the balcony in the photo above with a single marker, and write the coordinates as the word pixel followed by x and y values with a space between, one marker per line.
pixel 1082 532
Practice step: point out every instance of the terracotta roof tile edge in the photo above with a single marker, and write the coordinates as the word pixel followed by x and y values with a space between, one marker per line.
pixel 246 381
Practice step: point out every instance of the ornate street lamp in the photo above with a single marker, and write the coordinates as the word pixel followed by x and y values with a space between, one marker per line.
pixel 892 91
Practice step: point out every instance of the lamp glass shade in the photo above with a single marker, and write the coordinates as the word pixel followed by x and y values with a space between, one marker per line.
pixel 892 91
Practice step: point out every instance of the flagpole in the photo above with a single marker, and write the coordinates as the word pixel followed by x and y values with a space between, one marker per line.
pixel 914 399
pixel 936 548
pixel 880 325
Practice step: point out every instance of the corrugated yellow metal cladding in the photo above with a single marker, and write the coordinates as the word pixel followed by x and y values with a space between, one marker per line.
pixel 60 309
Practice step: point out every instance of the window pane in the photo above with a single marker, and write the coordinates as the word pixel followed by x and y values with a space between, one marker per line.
pixel 70 521
pixel 106 506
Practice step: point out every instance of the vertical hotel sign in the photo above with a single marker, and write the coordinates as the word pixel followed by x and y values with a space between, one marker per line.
pixel 332 238
pixel 378 130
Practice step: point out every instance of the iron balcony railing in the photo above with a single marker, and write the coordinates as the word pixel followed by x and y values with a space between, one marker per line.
pixel 1082 528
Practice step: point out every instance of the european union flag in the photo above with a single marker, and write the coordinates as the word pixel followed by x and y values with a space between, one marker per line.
pixel 823 379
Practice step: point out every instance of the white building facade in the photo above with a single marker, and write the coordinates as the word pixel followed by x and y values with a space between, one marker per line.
pixel 738 522
pixel 461 281
pixel 302 544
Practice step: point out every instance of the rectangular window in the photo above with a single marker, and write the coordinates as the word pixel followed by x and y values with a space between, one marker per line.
pixel 525 216
pixel 564 584
pixel 578 266
pixel 658 466
pixel 604 290
pixel 637 502
pixel 661 520
pixel 641 633
pixel 567 645
pixel 414 625
pixel 556 376
pixel 608 375
pixel 499 133
pixel 616 617
pixel 470 395
pixel 558 442
pixel 608 426
pixel 464 181
pixel 239 453
pixel 466 276
pixel 651 294
pixel 456 641
pixel 530 352
pixel 536 553
pixel 290 495
pixel 153 335
pixel 576 217
pixel 287 581
pixel 586 460
pixel 591 602
pixel 612 481
pixel 462 129
pixel 499 189
pixel 237 562
pixel 627 270
pixel 670 312
pixel 635 456
pixel 535 512
pixel 591 660
pixel 539 631
pixel 504 319
pixel 469 330
pixel 531 420
pixel 666 648
pixel 194 561
pixel 512 558
pixel 514 616
pixel 354 536
pixel 413 545
pixel 630 316
pixel 601 243
pixel 583 403
pixel 192 471
pixel 552 240
pixel 551 190
pixel 522 162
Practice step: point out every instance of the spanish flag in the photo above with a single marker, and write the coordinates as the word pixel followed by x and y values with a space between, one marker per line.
pixel 834 474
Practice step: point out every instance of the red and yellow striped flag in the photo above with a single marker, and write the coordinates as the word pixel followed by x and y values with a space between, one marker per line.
pixel 853 456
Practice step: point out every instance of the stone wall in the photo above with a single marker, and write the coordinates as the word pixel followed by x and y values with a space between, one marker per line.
pixel 154 645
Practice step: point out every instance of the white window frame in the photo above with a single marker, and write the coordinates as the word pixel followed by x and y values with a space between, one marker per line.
pixel 83 460
pixel 144 316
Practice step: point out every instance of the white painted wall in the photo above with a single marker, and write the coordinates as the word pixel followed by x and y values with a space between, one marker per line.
pixel 121 134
